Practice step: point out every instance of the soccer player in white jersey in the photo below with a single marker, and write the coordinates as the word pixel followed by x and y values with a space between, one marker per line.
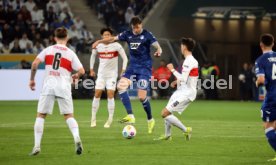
pixel 185 93
pixel 59 61
pixel 107 74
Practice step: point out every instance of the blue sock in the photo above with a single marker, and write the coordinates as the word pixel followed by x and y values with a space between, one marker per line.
pixel 126 101
pixel 271 137
pixel 147 108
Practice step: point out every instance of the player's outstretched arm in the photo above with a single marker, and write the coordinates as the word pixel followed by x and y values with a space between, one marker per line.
pixel 181 77
pixel 77 75
pixel 158 48
pixel 109 40
pixel 92 62
pixel 35 64
pixel 125 59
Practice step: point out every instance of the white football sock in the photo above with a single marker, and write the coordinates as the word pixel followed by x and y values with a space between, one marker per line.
pixel 95 107
pixel 38 131
pixel 168 127
pixel 176 122
pixel 74 128
pixel 110 107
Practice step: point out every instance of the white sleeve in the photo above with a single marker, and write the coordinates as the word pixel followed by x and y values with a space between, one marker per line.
pixel 123 55
pixel 186 68
pixel 41 55
pixel 76 64
pixel 92 58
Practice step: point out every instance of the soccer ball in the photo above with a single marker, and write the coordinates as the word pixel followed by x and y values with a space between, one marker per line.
pixel 129 131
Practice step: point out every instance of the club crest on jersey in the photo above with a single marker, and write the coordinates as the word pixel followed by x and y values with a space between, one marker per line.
pixel 134 45
pixel 142 37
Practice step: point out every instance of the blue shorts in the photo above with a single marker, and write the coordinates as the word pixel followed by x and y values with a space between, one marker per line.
pixel 143 80
pixel 268 116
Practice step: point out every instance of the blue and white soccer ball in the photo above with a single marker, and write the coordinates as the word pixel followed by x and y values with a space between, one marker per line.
pixel 129 132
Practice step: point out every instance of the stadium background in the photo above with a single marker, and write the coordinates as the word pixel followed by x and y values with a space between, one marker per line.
pixel 227 33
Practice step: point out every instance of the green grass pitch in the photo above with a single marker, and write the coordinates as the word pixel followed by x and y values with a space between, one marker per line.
pixel 223 133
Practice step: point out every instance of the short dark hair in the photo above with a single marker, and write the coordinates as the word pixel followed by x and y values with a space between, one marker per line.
pixel 267 39
pixel 135 20
pixel 106 30
pixel 61 33
pixel 189 42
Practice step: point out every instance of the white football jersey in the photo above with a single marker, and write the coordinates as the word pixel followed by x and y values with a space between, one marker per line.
pixel 108 59
pixel 189 77
pixel 60 61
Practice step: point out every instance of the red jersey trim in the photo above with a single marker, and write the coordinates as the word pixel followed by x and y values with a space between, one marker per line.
pixel 194 72
pixel 64 63
pixel 108 55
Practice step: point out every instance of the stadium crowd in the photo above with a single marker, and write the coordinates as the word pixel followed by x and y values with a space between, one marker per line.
pixel 117 13
pixel 27 26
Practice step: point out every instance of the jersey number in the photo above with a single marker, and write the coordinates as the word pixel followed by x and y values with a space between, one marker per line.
pixel 274 72
pixel 56 62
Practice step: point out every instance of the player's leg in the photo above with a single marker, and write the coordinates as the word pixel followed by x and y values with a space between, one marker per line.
pixel 177 103
pixel 66 109
pixel 142 95
pixel 45 106
pixel 142 85
pixel 111 87
pixel 100 86
pixel 122 87
pixel 270 127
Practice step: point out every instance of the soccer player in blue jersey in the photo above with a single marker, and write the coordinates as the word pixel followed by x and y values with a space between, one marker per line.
pixel 140 67
pixel 266 75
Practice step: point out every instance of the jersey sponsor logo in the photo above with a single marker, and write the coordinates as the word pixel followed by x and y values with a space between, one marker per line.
pixel 272 59
pixel 64 63
pixel 134 45
pixel 142 37
pixel 194 72
pixel 108 55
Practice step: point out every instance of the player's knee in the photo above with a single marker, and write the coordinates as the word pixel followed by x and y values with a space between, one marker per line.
pixel 142 98
pixel 110 94
pixel 41 115
pixel 67 116
pixel 122 85
pixel 165 113
pixel 98 94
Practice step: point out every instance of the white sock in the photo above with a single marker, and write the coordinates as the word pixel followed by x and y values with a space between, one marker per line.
pixel 176 122
pixel 38 131
pixel 110 107
pixel 95 107
pixel 168 127
pixel 74 128
pixel 131 116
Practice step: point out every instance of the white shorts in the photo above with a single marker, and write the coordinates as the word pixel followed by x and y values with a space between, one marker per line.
pixel 106 82
pixel 178 102
pixel 46 104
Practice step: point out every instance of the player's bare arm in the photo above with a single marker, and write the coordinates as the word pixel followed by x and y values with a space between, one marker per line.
pixel 33 73
pixel 260 81
pixel 77 75
pixel 158 48
pixel 106 40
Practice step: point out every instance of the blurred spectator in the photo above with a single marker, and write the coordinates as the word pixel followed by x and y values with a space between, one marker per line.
pixel 67 23
pixel 11 16
pixel 246 78
pixel 30 4
pixel 21 23
pixel 17 32
pixel 3 16
pixel 31 32
pixel 24 41
pixel 5 49
pixel 38 38
pixel 37 15
pixel 26 15
pixel 129 14
pixel 86 35
pixel 50 16
pixel 78 23
pixel 56 24
pixel 29 49
pixel 119 22
pixel 25 64
pixel 162 75
pixel 37 48
pixel 65 14
pixel 64 4
pixel 16 48
pixel 43 32
pixel 17 4
pixel 108 12
pixel 209 73
pixel 54 4
pixel 7 34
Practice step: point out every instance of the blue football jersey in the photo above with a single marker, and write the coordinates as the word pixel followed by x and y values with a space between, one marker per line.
pixel 139 49
pixel 266 65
